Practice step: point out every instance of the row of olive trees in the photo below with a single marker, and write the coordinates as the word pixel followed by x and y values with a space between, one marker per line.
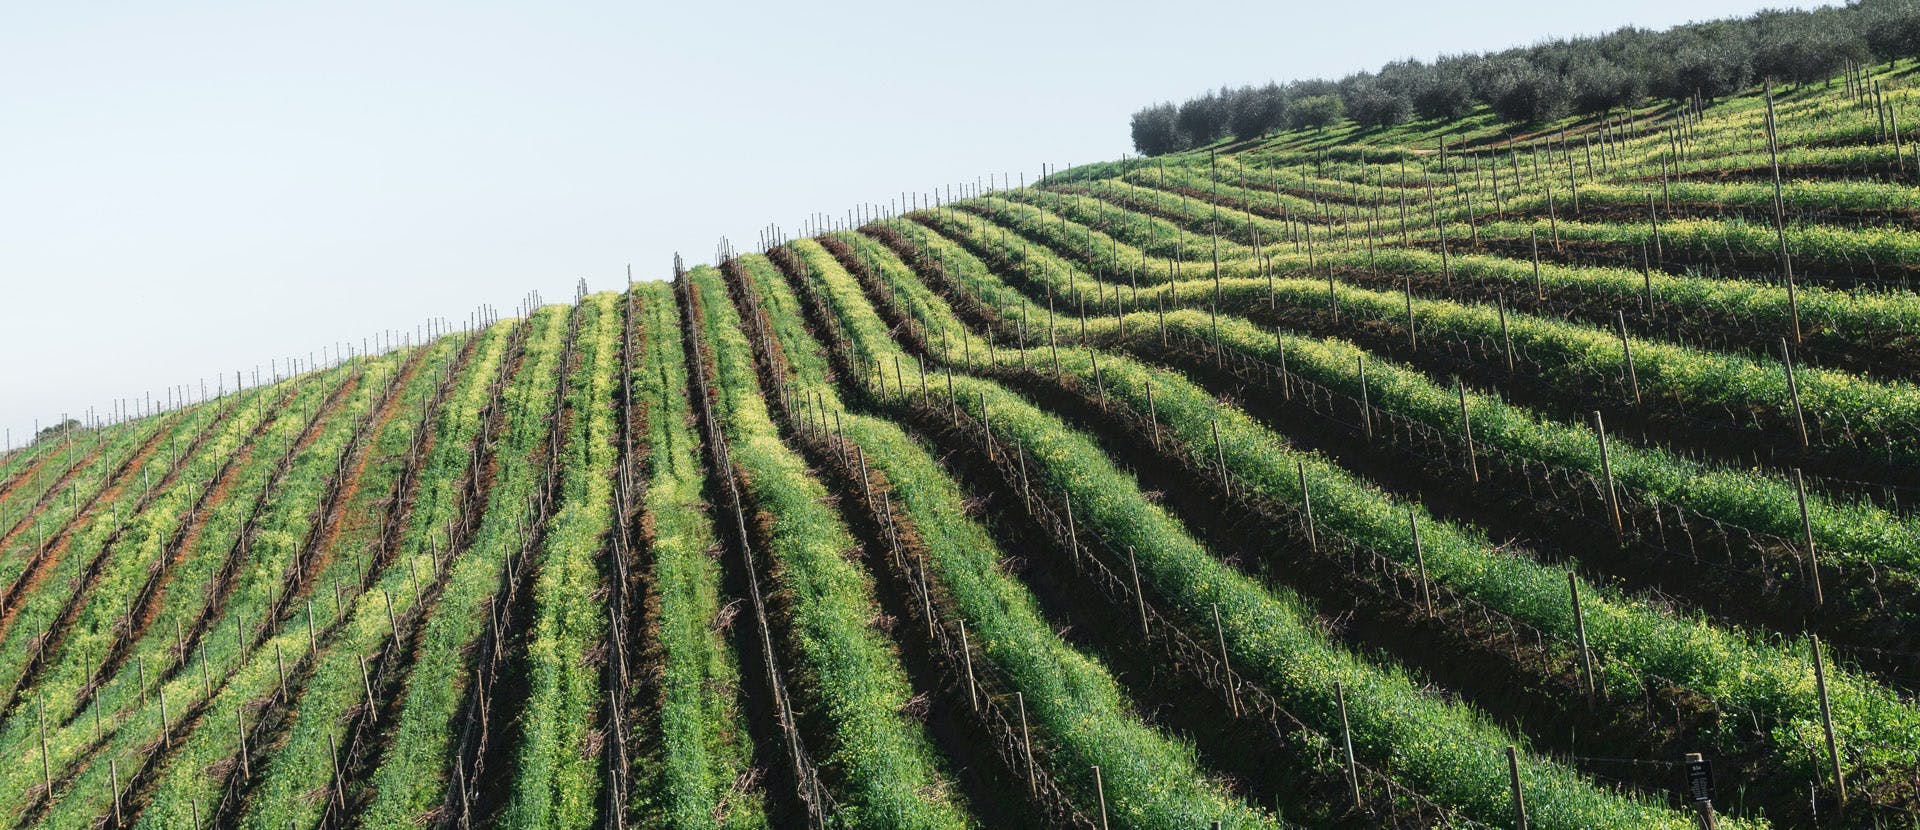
pixel 1588 76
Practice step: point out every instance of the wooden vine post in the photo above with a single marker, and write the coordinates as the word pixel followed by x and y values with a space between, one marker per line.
pixel 1466 428
pixel 966 651
pixel 1806 530
pixel 1553 224
pixel 113 781
pixel 1306 503
pixel 1220 458
pixel 926 598
pixel 1779 215
pixel 338 785
pixel 1100 792
pixel 1646 276
pixel 1026 742
pixel 1139 599
pixel 1413 336
pixel 1826 720
pixel 1286 382
pixel 1506 336
pixel 1653 219
pixel 1153 417
pixel 1073 535
pixel 1346 743
pixel 1793 391
pixel 1226 665
pixel 1626 355
pixel 1420 560
pixel 1580 629
pixel 1606 472
pixel 240 740
pixel 46 759
pixel 1366 407
pixel 1519 798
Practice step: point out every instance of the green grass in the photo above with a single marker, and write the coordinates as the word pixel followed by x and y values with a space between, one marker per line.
pixel 414 773
pixel 302 765
pixel 1841 407
pixel 1854 533
pixel 140 545
pixel 556 779
pixel 283 524
pixel 1448 751
pixel 1744 674
pixel 886 771
pixel 348 554
pixel 73 454
pixel 1150 779
pixel 694 776
pixel 39 524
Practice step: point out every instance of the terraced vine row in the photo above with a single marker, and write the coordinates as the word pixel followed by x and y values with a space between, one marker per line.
pixel 1414 478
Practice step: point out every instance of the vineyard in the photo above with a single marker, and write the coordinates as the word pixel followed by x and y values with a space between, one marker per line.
pixel 1445 474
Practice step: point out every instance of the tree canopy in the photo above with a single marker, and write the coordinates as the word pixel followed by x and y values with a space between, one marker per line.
pixel 1551 79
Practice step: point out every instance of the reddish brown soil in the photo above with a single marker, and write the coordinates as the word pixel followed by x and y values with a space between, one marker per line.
pixel 32 469
pixel 353 523
pixel 52 494
pixel 43 563
pixel 221 489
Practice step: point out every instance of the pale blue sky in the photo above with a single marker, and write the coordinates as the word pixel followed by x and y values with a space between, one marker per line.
pixel 193 188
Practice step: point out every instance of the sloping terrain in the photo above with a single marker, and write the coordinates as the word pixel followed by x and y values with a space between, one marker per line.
pixel 1416 476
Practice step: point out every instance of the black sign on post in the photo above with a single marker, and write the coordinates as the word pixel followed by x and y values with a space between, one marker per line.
pixel 1699 780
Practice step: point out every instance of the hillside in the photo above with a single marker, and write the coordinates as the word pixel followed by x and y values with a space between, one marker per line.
pixel 1414 476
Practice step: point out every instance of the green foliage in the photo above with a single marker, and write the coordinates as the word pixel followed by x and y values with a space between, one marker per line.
pixel 351 548
pixel 1576 356
pixel 304 762
pixel 282 522
pixel 140 543
pixel 695 778
pixel 1444 749
pixel 1314 201
pixel 887 771
pixel 1741 673
pixel 556 780
pixel 1314 112
pixel 413 774
pixel 1149 779
pixel 1589 75
pixel 1156 130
